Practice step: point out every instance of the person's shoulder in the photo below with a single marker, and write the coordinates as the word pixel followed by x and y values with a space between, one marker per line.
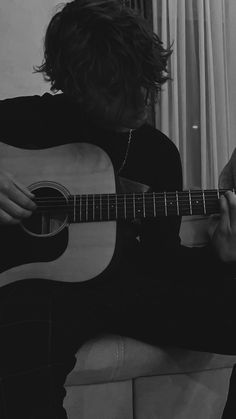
pixel 157 140
pixel 45 107
pixel 227 178
pixel 23 99
pixel 33 100
pixel 161 159
pixel 22 104
pixel 233 156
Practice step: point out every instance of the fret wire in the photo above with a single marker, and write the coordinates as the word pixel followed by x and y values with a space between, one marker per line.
pixel 100 207
pixel 80 208
pixel 134 206
pixel 93 206
pixel 190 203
pixel 86 207
pixel 108 207
pixel 116 206
pixel 204 203
pixel 83 207
pixel 74 201
pixel 177 202
pixel 96 207
pixel 154 204
pixel 144 209
pixel 125 214
pixel 81 199
pixel 165 203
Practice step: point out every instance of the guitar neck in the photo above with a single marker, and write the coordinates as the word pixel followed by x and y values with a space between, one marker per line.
pixel 108 207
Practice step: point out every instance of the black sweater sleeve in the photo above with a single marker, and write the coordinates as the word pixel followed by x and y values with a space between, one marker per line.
pixel 41 121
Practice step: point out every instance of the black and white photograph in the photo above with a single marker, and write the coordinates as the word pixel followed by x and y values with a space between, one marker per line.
pixel 118 209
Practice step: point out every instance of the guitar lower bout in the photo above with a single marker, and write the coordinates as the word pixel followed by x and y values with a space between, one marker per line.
pixel 53 244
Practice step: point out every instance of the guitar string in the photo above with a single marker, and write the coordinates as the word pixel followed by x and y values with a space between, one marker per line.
pixel 131 198
pixel 200 191
pixel 147 195
pixel 49 209
pixel 182 207
pixel 139 201
pixel 121 205
pixel 128 201
pixel 184 203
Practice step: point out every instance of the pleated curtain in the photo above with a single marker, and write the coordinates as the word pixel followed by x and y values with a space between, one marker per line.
pixel 193 109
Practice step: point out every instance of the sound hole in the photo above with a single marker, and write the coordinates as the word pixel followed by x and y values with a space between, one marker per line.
pixel 50 215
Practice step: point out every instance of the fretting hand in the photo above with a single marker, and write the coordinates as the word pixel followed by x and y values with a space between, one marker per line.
pixel 222 228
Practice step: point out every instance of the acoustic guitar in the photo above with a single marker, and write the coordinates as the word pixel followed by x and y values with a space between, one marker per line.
pixel 71 236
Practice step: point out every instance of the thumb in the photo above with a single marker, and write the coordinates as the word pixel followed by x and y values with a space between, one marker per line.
pixel 213 221
pixel 224 214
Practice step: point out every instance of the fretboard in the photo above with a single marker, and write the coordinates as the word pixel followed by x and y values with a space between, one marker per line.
pixel 108 207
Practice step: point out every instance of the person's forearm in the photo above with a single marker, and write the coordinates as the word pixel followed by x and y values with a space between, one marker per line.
pixel 39 121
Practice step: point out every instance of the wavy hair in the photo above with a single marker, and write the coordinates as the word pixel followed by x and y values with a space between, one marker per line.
pixel 105 45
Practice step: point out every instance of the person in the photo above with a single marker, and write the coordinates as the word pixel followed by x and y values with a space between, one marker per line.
pixel 104 64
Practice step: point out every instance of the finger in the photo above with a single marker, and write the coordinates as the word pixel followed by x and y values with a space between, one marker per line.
pixel 231 198
pixel 213 221
pixel 16 192
pixel 14 209
pixel 224 214
pixel 23 189
pixel 214 218
pixel 20 185
pixel 6 218
pixel 20 198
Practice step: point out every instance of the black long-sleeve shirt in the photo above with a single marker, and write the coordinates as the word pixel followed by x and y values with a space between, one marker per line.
pixel 153 160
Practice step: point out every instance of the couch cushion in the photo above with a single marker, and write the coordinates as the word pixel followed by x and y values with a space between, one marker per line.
pixel 114 358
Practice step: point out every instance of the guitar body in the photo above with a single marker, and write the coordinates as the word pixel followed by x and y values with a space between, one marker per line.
pixel 57 249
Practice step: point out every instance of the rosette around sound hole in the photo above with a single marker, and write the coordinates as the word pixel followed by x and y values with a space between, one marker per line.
pixel 51 214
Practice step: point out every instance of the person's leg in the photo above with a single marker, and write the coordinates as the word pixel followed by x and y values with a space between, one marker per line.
pixel 196 315
pixel 31 375
pixel 230 407
pixel 40 347
pixel 42 326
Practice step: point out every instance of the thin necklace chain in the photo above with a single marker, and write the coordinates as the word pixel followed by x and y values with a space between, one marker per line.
pixel 127 151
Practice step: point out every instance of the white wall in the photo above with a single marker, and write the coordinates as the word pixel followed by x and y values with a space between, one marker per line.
pixel 22 27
